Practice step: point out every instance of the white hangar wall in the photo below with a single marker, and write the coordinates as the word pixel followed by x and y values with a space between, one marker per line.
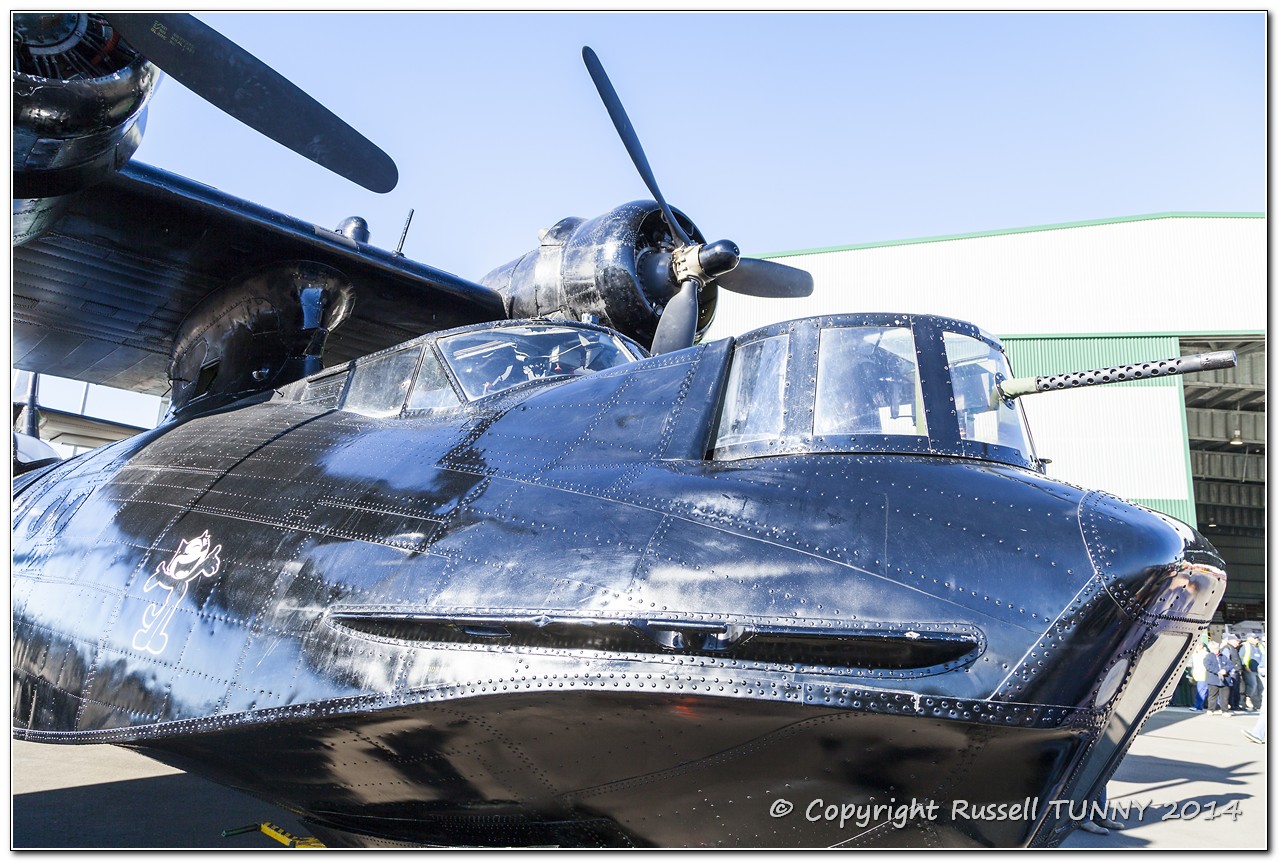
pixel 1064 298
pixel 1171 272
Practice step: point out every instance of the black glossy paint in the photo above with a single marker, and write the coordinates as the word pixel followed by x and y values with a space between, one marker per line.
pixel 613 269
pixel 258 333
pixel 102 297
pixel 557 615
pixel 79 99
pixel 548 617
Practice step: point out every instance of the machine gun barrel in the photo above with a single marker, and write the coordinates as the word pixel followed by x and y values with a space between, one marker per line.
pixel 1019 386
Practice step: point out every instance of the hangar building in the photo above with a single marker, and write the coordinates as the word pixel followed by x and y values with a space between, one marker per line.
pixel 1083 295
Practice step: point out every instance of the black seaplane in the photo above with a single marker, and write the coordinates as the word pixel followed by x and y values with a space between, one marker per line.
pixel 519 561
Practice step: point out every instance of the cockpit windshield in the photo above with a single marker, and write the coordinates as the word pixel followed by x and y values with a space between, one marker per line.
pixel 911 384
pixel 491 360
pixel 868 382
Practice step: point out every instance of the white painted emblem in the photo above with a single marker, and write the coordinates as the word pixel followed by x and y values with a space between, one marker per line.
pixel 194 559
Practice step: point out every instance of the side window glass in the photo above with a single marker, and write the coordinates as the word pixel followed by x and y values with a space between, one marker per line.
pixel 975 367
pixel 490 360
pixel 379 387
pixel 753 404
pixel 868 382
pixel 432 390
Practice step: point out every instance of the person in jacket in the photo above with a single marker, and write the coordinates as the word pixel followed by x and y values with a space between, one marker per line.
pixel 1199 675
pixel 1217 670
pixel 1258 732
pixel 1230 652
pixel 1250 659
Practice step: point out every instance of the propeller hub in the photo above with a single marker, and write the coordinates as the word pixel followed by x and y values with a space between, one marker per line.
pixel 49 33
pixel 67 49
pixel 719 257
pixel 693 267
pixel 702 263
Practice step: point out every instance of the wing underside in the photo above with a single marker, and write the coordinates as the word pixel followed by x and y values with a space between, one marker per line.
pixel 100 297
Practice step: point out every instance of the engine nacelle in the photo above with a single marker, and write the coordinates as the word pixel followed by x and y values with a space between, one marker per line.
pixel 613 269
pixel 261 331
pixel 79 99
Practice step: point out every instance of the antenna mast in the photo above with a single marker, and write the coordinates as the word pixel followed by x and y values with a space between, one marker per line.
pixel 399 249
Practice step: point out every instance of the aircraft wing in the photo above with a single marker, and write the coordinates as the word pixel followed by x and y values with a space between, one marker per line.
pixel 100 297
pixel 74 429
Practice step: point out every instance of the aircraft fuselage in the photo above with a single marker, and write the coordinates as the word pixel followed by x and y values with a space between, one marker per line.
pixel 554 616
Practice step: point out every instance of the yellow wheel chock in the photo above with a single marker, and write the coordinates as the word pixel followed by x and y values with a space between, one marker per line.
pixel 285 838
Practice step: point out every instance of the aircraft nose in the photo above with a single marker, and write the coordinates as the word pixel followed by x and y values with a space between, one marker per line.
pixel 1151 564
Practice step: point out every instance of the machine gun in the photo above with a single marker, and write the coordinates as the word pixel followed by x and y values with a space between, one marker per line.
pixel 1016 387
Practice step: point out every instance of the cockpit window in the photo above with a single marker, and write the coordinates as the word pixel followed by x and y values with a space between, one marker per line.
pixel 902 384
pixel 753 406
pixel 431 389
pixel 868 382
pixel 490 360
pixel 975 368
pixel 380 384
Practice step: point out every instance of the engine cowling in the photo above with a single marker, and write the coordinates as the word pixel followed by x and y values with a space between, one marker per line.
pixel 263 330
pixel 614 269
pixel 79 100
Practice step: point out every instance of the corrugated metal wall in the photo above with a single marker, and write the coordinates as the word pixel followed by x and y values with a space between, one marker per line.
pixel 1247 565
pixel 1042 355
pixel 1126 438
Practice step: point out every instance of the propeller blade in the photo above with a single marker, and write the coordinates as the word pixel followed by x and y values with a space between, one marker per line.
pixel 224 74
pixel 627 132
pixel 678 324
pixel 755 277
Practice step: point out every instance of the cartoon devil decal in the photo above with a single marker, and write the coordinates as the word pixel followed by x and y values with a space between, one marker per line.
pixel 194 559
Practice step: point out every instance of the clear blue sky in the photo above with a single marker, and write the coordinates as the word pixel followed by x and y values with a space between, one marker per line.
pixel 779 131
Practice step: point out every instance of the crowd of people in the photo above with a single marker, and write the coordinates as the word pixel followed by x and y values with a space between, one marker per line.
pixel 1229 676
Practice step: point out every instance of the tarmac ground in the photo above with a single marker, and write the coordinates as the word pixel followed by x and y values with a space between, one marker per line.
pixel 101 796
pixel 1190 781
